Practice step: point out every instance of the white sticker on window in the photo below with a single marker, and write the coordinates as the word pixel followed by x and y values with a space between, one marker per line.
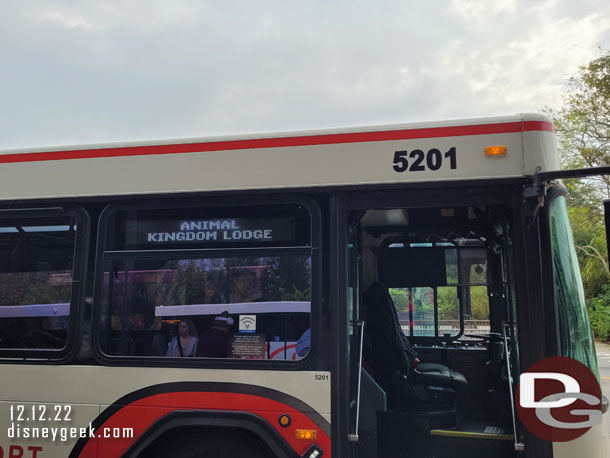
pixel 247 323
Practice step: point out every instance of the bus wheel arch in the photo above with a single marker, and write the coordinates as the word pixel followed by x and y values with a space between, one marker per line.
pixel 223 434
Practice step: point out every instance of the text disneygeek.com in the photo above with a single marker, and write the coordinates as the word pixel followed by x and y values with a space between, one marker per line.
pixel 64 433
pixel 51 423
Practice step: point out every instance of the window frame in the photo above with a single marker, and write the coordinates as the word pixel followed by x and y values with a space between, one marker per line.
pixel 77 293
pixel 460 287
pixel 313 250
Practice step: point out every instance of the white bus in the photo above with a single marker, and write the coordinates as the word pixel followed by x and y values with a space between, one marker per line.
pixel 249 296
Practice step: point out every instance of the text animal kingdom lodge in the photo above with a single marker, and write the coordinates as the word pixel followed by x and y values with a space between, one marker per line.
pixel 215 230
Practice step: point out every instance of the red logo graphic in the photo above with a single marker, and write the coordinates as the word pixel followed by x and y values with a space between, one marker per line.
pixel 559 399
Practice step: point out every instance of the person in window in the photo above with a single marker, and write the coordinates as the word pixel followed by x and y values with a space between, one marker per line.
pixel 137 320
pixel 214 343
pixel 185 343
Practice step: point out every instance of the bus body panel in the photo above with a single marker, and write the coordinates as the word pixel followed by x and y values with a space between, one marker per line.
pixel 392 154
pixel 139 396
pixel 398 154
pixel 540 152
pixel 593 444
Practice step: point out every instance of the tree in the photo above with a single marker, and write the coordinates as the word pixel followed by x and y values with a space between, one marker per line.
pixel 583 131
pixel 583 123
pixel 590 240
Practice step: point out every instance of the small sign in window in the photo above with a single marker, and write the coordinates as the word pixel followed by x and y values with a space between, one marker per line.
pixel 247 346
pixel 247 323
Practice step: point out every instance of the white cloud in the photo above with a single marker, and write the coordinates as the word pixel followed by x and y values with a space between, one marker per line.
pixel 63 19
pixel 482 9
pixel 80 72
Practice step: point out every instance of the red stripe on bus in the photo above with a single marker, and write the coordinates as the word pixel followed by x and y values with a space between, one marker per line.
pixel 544 126
pixel 282 142
pixel 143 413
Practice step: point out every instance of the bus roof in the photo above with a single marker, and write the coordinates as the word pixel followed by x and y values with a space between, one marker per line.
pixel 403 153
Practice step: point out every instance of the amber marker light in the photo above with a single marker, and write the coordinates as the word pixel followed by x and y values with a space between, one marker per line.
pixel 495 151
pixel 284 420
pixel 307 434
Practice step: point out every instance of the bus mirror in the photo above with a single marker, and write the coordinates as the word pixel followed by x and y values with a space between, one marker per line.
pixel 607 221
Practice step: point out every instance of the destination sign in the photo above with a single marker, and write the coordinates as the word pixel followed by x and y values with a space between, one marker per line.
pixel 210 231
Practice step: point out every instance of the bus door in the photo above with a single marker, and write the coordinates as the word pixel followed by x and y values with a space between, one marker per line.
pixel 364 396
pixel 440 276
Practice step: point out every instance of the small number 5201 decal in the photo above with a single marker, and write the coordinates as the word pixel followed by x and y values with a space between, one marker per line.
pixel 433 160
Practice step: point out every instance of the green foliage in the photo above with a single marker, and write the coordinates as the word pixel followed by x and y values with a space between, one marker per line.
pixel 583 131
pixel 400 298
pixel 22 288
pixel 479 302
pixel 599 314
pixel 447 301
pixel 583 123
pixel 590 240
pixel 448 306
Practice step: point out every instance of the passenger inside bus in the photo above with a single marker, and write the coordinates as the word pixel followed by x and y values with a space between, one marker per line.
pixel 185 343
pixel 214 342
pixel 149 302
pixel 266 285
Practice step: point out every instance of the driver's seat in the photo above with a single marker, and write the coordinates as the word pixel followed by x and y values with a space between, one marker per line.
pixel 389 355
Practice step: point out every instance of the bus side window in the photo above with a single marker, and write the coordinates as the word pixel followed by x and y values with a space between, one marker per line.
pixel 37 257
pixel 265 290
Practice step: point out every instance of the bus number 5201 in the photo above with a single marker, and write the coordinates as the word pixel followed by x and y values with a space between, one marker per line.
pixel 433 160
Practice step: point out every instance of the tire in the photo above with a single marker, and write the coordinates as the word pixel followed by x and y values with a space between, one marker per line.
pixel 205 444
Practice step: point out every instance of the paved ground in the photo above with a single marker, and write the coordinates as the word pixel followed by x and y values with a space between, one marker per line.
pixel 603 361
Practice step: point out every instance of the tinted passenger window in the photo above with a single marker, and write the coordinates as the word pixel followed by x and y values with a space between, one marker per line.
pixel 207 282
pixel 36 272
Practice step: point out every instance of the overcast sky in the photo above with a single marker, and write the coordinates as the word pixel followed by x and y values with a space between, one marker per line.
pixel 76 72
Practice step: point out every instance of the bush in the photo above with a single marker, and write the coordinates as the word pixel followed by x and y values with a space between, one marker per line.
pixel 599 314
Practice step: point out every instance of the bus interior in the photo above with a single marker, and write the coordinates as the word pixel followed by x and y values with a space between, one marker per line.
pixel 446 273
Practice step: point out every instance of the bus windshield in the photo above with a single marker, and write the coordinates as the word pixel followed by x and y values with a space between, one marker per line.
pixel 575 337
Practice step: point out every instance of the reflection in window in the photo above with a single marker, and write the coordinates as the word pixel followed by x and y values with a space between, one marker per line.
pixel 254 307
pixel 36 260
pixel 575 336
